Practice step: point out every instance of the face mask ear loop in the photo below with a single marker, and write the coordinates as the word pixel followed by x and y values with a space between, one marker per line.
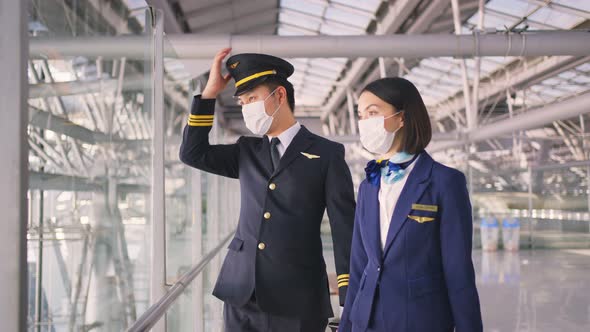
pixel 394 114
pixel 273 91
pixel 275 112
pixel 391 116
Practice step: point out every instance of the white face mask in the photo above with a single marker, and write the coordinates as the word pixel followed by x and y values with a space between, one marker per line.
pixel 257 121
pixel 373 135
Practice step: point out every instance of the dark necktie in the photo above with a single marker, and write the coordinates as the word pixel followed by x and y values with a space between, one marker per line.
pixel 275 156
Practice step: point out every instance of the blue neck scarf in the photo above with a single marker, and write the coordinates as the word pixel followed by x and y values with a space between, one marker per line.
pixel 391 170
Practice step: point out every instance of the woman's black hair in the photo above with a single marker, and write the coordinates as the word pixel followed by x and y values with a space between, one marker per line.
pixel 403 95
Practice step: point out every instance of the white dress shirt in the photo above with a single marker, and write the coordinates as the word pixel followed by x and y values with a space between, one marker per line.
pixel 388 197
pixel 286 137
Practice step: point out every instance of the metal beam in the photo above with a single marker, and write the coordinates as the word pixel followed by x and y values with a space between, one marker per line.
pixel 158 196
pixel 47 181
pixel 14 280
pixel 42 90
pixel 531 119
pixel 420 25
pixel 516 78
pixel 189 46
pixel 57 124
pixel 61 182
pixel 61 125
pixel 391 22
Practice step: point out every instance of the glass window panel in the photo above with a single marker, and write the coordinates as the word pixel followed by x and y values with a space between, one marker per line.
pixel 556 18
pixel 347 17
pixel 288 31
pixel 551 92
pixel 367 5
pixel 577 4
pixel 437 63
pixel 495 21
pixel 567 75
pixel 416 79
pixel 334 29
pixel 427 72
pixel 518 8
pixel 334 64
pixel 572 88
pixel 582 79
pixel 310 7
pixel 299 21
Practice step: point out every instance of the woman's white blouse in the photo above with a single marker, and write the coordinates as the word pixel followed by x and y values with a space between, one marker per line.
pixel 388 197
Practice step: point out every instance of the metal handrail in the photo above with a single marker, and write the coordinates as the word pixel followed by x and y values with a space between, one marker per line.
pixel 151 316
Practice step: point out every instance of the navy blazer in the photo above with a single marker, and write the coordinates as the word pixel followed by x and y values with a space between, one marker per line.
pixel 277 249
pixel 424 278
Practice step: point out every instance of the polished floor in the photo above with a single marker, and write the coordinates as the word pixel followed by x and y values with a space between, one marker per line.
pixel 533 291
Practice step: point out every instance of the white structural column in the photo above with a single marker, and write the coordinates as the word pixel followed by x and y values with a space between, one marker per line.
pixel 158 230
pixel 14 150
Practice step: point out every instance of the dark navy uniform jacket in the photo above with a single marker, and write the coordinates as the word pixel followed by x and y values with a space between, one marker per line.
pixel 424 278
pixel 277 250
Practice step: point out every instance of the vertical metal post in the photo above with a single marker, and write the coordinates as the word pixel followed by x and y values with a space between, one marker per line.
pixel 158 229
pixel 381 60
pixel 332 124
pixel 586 156
pixel 39 268
pixel 469 178
pixel 350 104
pixel 477 63
pixel 400 66
pixel 530 177
pixel 588 186
pixel 14 49
pixel 382 69
pixel 471 124
pixel 194 202
pixel 214 228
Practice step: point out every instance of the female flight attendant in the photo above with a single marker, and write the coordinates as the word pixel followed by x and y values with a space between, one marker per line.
pixel 411 267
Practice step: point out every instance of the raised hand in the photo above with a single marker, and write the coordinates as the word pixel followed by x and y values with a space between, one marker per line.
pixel 217 82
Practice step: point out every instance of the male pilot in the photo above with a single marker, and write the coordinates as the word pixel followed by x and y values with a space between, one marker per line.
pixel 274 276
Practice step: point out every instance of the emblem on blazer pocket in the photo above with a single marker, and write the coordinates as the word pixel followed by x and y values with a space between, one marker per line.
pixel 421 219
pixel 310 156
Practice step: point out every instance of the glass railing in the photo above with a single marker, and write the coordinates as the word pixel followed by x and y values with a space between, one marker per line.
pixel 90 186
pixel 116 220
pixel 201 208
pixel 178 298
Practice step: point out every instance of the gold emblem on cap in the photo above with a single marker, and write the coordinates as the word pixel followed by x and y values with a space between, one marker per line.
pixel 234 65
